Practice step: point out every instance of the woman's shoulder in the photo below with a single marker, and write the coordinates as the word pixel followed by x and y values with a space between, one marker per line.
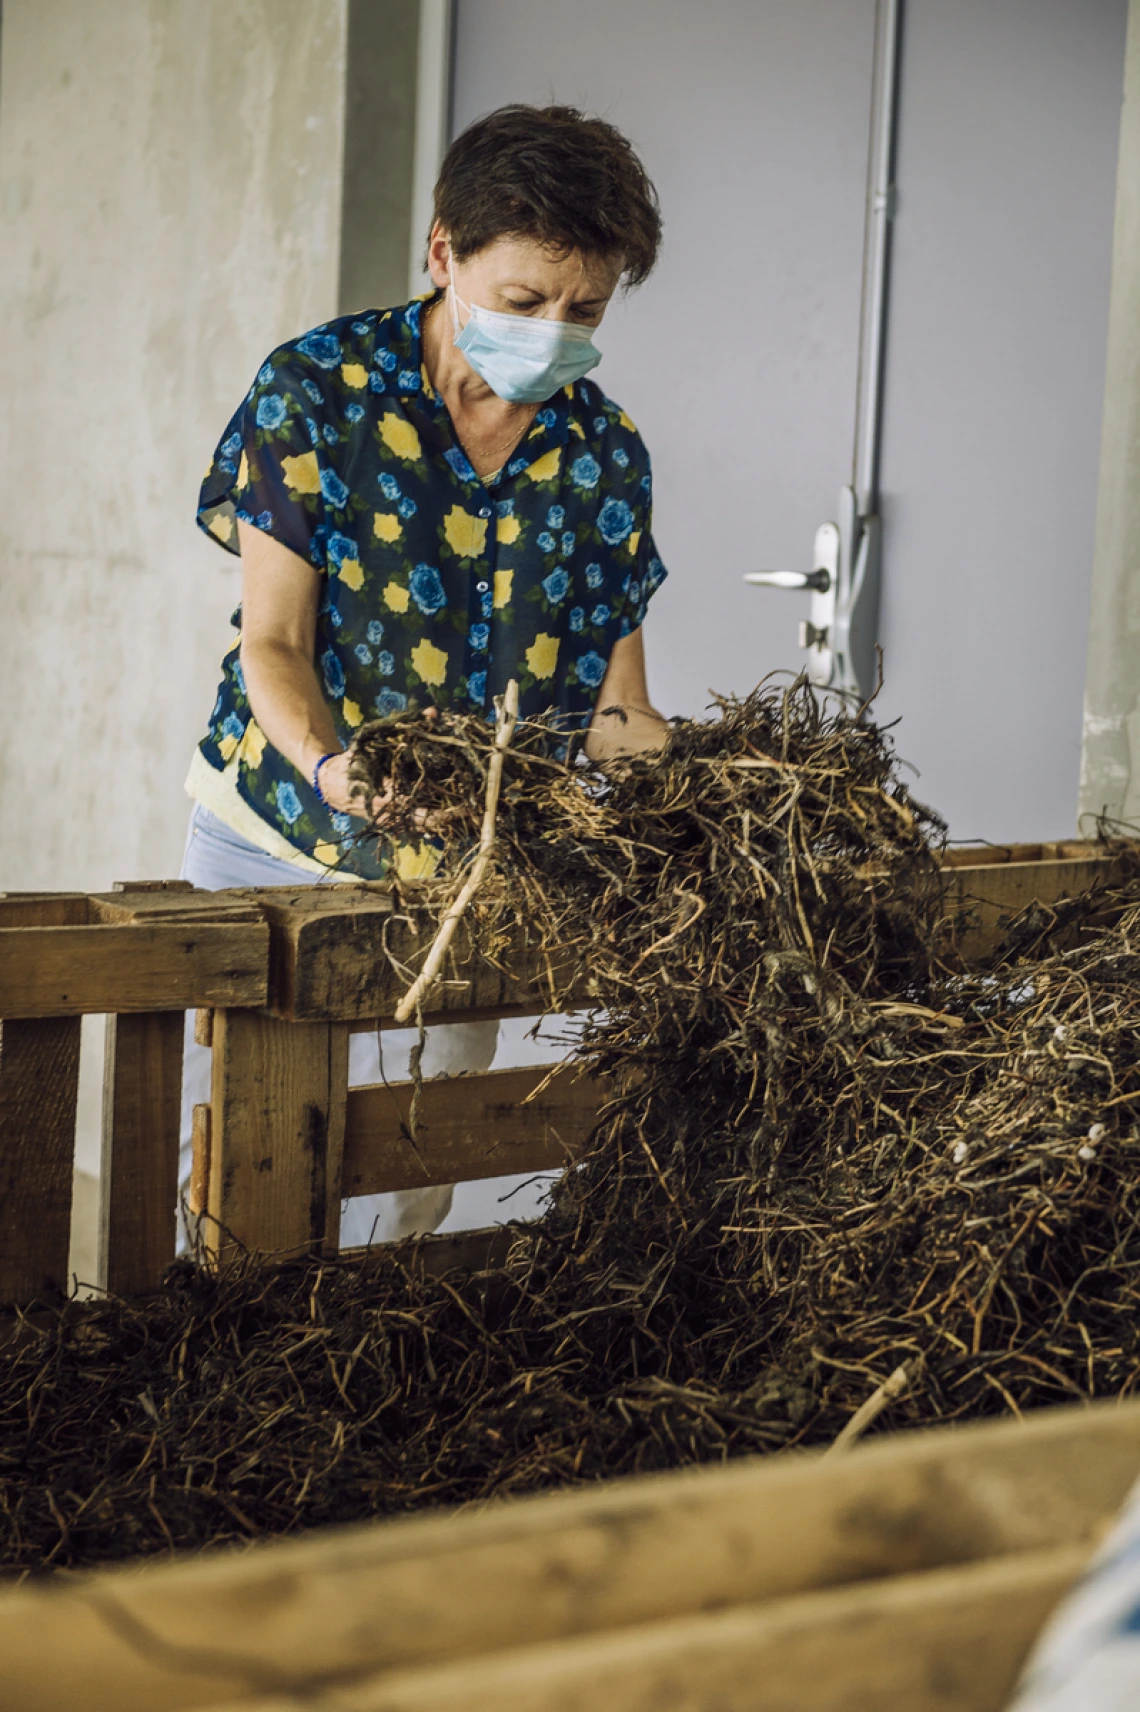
pixel 344 353
pixel 599 419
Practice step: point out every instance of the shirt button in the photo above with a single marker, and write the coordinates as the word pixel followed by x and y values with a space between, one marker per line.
pixel 485 511
pixel 480 588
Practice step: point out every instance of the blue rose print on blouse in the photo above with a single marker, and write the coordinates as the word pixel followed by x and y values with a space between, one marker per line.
pixel 591 669
pixel 615 521
pixel 427 589
pixel 324 348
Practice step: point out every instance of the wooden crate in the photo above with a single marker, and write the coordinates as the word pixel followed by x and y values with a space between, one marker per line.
pixel 909 1575
pixel 281 976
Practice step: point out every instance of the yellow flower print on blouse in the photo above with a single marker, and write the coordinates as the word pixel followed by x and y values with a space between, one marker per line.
pixel 222 526
pixel 465 535
pixel 354 374
pixel 301 473
pixel 387 527
pixel 502 590
pixel 632 543
pixel 542 655
pixel 507 531
pixel 417 861
pixel 253 744
pixel 351 573
pixel 429 662
pixel 326 853
pixel 545 468
pixel 400 437
pixel 395 598
pixel 243 471
pixel 352 714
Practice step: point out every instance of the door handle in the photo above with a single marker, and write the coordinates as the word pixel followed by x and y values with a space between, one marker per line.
pixel 818 579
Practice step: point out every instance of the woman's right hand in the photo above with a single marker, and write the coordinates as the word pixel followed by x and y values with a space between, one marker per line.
pixel 345 798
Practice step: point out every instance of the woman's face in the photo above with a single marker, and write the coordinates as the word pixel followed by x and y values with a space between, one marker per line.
pixel 518 276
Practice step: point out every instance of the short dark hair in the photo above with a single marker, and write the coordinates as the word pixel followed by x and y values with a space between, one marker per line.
pixel 552 173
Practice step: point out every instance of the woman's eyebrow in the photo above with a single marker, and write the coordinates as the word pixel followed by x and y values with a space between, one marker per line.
pixel 579 302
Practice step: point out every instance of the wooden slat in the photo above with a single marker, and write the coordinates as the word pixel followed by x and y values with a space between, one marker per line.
pixel 336 952
pixel 198 1192
pixel 432 1256
pixel 39 1087
pixel 72 971
pixel 449 1589
pixel 948 1641
pixel 983 894
pixel 468 1127
pixel 142 1102
pixel 44 909
pixel 276 1134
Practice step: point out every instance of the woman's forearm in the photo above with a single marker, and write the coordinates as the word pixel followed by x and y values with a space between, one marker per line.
pixel 287 702
pixel 625 722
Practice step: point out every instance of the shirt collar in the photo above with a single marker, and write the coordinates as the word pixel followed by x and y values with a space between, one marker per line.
pixel 406 378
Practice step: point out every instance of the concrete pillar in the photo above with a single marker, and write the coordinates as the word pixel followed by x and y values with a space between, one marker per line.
pixel 1110 755
pixel 183 185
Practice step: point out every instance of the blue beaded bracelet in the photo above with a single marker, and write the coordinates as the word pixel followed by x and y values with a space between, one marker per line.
pixel 320 795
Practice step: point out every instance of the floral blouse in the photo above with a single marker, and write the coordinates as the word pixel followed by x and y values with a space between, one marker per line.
pixel 437 587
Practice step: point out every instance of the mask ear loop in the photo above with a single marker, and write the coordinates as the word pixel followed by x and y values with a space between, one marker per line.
pixel 453 294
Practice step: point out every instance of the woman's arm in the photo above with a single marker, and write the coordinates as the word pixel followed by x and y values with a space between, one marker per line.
pixel 278 638
pixel 624 722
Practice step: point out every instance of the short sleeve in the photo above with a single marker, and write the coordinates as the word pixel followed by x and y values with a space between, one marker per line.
pixel 267 469
pixel 648 572
pixel 648 576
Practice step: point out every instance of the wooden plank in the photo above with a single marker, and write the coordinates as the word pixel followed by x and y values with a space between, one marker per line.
pixel 981 899
pixel 951 1640
pixel 440 1589
pixel 44 909
pixel 142 1104
pixel 198 1192
pixel 276 1135
pixel 39 1087
pixel 342 954
pixel 72 971
pixel 469 1127
pixel 157 906
pixel 432 1256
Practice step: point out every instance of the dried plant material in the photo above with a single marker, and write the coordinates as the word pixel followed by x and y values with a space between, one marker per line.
pixel 833 1154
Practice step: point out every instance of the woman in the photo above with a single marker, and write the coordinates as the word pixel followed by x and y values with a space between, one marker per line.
pixel 429 501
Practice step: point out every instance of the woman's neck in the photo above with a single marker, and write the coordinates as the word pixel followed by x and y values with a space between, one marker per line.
pixel 487 425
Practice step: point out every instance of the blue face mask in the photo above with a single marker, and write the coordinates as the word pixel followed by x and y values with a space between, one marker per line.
pixel 523 359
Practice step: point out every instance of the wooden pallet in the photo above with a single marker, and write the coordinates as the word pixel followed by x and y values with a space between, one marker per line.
pixel 909 1575
pixel 281 977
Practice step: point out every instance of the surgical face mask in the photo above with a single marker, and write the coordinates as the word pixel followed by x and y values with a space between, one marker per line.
pixel 523 359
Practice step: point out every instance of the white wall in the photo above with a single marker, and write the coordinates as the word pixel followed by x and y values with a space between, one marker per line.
pixel 1007 164
pixel 737 360
pixel 169 210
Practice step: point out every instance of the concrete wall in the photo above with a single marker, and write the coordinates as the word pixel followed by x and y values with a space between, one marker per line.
pixel 737 360
pixel 169 210
pixel 1110 772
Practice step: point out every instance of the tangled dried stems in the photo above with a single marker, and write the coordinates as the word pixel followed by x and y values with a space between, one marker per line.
pixel 834 1153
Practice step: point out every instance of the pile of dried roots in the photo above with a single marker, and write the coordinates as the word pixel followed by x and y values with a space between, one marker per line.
pixel 835 1150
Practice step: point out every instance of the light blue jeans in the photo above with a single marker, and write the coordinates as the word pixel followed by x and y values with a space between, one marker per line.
pixel 217 857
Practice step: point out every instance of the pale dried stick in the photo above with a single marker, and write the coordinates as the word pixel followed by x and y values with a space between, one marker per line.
pixel 508 714
pixel 868 1413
